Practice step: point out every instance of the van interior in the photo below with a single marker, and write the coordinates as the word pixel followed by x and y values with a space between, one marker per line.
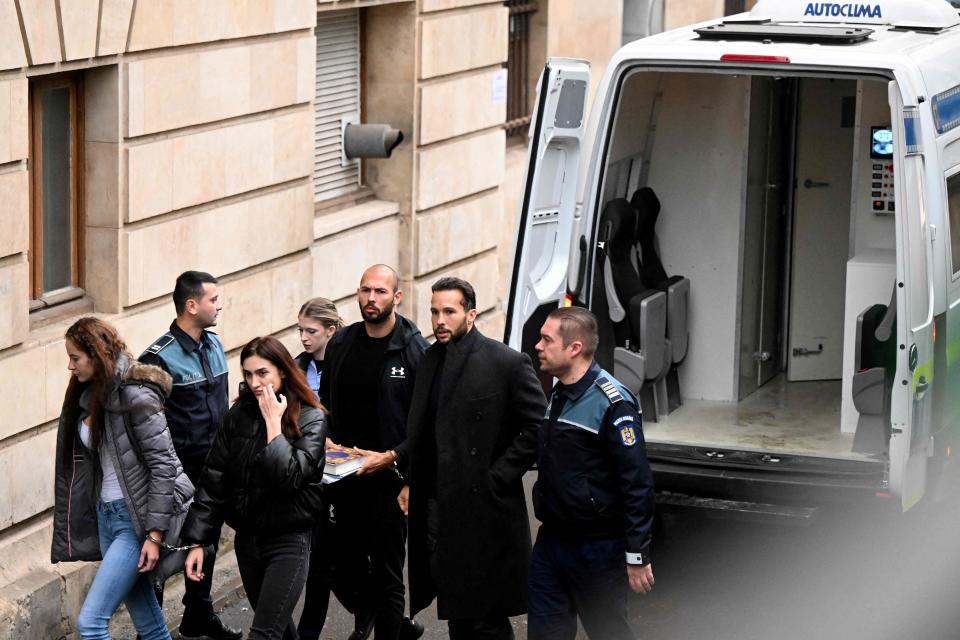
pixel 746 267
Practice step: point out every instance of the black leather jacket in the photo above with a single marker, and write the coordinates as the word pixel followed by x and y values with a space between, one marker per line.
pixel 255 486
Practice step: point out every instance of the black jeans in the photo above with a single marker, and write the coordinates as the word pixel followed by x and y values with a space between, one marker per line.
pixel 578 577
pixel 375 531
pixel 273 569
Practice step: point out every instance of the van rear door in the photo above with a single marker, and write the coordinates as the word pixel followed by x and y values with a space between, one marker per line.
pixel 910 407
pixel 545 216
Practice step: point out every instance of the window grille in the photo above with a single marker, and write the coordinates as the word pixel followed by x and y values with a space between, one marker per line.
pixel 337 97
pixel 519 102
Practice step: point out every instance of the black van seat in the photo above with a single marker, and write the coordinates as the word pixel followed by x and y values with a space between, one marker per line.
pixel 677 288
pixel 639 313
pixel 875 360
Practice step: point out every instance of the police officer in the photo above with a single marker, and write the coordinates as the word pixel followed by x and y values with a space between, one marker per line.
pixel 594 493
pixel 194 357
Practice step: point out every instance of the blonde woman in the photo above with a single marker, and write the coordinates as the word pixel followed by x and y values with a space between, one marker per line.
pixel 317 321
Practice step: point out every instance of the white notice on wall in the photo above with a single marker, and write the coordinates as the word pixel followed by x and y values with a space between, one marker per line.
pixel 498 89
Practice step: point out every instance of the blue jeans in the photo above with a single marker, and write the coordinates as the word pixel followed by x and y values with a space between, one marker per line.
pixel 578 577
pixel 118 580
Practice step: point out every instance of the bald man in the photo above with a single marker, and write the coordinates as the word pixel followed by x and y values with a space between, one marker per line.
pixel 366 385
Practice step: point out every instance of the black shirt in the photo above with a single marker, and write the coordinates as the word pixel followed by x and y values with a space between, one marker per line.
pixel 358 386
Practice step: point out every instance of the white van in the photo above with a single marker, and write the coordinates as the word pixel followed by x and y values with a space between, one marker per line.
pixel 759 212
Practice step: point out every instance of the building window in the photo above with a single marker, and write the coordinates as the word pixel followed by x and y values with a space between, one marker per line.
pixel 519 105
pixel 337 100
pixel 56 229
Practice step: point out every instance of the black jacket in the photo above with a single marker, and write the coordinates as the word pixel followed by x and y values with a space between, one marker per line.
pixel 253 486
pixel 489 407
pixel 399 370
pixel 594 479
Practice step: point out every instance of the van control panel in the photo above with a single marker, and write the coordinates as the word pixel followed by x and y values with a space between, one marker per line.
pixel 881 174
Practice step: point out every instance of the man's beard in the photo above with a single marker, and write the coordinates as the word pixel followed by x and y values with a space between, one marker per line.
pixel 458 332
pixel 377 317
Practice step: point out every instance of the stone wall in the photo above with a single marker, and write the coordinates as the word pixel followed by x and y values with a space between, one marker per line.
pixel 198 153
pixel 458 164
pixel 679 13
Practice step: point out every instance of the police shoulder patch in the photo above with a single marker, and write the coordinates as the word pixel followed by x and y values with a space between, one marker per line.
pixel 161 343
pixel 609 389
pixel 627 435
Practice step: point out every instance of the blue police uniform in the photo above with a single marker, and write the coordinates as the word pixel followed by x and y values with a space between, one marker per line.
pixel 194 409
pixel 200 396
pixel 594 498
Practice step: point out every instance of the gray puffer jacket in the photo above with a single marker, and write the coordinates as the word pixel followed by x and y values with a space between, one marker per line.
pixel 156 490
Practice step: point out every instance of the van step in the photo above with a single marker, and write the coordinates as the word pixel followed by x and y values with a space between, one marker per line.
pixel 737 509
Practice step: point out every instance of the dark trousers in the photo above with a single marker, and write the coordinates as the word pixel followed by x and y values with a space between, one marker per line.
pixel 197 601
pixel 492 627
pixel 326 575
pixel 578 577
pixel 273 569
pixel 369 520
pixel 489 628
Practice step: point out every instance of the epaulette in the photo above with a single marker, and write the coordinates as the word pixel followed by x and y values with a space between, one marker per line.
pixel 609 389
pixel 160 344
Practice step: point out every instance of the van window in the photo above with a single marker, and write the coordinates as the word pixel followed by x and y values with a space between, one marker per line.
pixel 953 203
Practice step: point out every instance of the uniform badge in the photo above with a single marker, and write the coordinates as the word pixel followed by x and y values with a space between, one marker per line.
pixel 627 435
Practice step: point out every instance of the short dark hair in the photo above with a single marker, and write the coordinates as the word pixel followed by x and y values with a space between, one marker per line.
pixel 190 287
pixel 577 323
pixel 449 283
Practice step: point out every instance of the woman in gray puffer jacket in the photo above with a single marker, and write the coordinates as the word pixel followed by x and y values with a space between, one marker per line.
pixel 119 487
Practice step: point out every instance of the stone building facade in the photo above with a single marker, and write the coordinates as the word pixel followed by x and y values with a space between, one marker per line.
pixel 139 139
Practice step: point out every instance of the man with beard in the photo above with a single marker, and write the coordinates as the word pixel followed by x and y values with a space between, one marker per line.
pixel 473 425
pixel 366 385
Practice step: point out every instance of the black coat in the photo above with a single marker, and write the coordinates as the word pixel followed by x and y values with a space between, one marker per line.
pixel 489 408
pixel 258 487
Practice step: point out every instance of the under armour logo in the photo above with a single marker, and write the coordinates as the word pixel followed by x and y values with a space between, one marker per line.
pixel 396 372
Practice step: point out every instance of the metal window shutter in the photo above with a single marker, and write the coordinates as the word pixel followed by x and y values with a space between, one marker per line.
pixel 337 96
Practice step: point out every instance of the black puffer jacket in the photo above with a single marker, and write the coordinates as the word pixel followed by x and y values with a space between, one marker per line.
pixel 136 438
pixel 255 486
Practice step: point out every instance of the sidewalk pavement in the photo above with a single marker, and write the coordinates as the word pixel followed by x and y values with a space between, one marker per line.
pixel 230 601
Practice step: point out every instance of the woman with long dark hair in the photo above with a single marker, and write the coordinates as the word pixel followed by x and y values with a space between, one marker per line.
pixel 119 487
pixel 263 477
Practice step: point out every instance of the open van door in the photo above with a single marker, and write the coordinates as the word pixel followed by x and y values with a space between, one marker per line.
pixel 911 398
pixel 545 217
